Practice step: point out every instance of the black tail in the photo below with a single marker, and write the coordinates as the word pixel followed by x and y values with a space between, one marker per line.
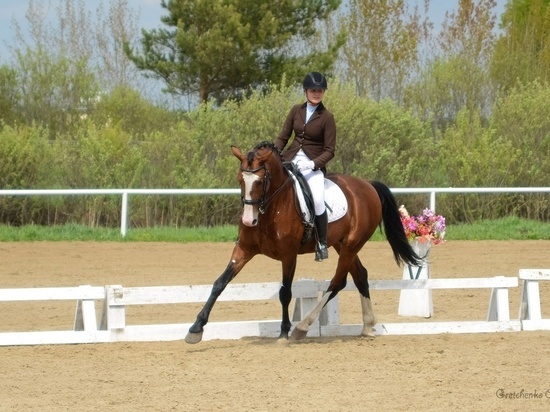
pixel 393 228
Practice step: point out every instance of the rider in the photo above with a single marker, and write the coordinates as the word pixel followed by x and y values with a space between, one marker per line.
pixel 312 148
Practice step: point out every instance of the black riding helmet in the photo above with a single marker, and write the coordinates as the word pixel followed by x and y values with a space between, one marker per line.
pixel 315 81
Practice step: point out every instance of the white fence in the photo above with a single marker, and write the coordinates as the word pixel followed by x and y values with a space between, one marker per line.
pixel 530 307
pixel 125 193
pixel 113 327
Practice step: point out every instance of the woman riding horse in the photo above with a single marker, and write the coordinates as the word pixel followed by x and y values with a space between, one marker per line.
pixel 312 148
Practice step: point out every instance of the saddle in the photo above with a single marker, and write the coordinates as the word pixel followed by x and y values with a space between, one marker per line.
pixel 335 200
pixel 302 193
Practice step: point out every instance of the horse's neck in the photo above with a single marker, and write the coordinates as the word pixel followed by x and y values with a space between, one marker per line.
pixel 281 185
pixel 278 173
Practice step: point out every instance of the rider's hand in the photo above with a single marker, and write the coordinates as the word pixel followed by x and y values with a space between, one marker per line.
pixel 305 165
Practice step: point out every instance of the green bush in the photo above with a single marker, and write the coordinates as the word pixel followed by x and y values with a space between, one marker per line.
pixel 139 146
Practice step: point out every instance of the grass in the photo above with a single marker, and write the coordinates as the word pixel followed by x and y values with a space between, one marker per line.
pixel 73 232
pixel 509 228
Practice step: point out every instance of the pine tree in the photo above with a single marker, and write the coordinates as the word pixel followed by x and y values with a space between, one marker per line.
pixel 223 48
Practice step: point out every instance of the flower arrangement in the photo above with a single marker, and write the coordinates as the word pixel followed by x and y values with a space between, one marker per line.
pixel 426 227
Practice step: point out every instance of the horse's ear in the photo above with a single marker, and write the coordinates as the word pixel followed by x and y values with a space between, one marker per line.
pixel 237 152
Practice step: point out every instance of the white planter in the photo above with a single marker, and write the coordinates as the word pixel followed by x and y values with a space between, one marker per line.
pixel 417 302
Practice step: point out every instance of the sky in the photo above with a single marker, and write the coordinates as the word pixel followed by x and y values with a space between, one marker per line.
pixel 150 12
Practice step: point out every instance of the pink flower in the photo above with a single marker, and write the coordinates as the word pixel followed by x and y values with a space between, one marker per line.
pixel 426 227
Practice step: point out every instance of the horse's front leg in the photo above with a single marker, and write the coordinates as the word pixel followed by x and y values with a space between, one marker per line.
pixel 235 265
pixel 285 295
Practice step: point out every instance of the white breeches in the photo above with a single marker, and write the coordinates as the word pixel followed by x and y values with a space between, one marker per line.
pixel 316 182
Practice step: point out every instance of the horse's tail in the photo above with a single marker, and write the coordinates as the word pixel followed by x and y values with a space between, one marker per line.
pixel 393 228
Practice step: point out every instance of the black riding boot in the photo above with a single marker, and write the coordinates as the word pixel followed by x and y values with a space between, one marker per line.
pixel 321 250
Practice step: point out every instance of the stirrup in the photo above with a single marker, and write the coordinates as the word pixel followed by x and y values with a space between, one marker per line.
pixel 321 252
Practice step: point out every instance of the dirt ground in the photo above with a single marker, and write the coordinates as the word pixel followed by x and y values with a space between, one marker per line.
pixel 498 371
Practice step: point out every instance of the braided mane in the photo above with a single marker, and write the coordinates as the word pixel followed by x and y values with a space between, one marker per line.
pixel 266 145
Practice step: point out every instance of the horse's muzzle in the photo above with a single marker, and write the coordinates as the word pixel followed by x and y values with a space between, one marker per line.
pixel 250 216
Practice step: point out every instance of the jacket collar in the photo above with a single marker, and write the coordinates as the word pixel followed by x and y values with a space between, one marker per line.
pixel 320 107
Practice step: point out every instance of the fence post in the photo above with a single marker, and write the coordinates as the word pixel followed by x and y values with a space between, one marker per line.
pixel 499 308
pixel 417 302
pixel 432 201
pixel 124 214
pixel 116 310
pixel 85 316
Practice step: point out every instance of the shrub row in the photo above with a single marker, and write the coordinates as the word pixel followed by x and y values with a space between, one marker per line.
pixel 127 143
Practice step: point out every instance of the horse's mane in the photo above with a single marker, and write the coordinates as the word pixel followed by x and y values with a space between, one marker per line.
pixel 267 145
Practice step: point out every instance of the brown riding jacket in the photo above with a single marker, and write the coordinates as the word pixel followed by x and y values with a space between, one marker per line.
pixel 317 138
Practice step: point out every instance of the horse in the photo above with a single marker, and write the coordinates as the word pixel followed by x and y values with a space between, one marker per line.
pixel 271 225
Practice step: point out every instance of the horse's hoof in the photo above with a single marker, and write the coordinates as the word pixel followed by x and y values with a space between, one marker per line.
pixel 193 338
pixel 298 334
pixel 282 341
pixel 368 334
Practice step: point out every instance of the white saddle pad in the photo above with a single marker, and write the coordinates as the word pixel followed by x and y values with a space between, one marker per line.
pixel 337 204
pixel 335 201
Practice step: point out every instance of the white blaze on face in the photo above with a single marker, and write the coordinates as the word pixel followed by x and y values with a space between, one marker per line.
pixel 250 212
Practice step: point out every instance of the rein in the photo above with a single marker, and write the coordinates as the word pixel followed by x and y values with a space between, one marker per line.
pixel 263 202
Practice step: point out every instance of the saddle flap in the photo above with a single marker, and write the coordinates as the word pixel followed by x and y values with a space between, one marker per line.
pixel 335 200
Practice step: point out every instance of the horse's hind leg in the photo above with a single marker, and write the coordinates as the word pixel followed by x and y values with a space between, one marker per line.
pixel 337 283
pixel 360 278
pixel 301 329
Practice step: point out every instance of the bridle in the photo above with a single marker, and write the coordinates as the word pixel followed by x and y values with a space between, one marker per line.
pixel 266 180
pixel 264 201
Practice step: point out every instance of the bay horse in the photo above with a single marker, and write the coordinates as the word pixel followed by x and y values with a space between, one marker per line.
pixel 271 225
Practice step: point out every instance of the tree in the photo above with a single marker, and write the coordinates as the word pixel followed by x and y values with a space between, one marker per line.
pixel 52 64
pixel 222 48
pixel 467 38
pixel 458 77
pixel 382 48
pixel 9 95
pixel 54 92
pixel 69 59
pixel 75 33
pixel 522 52
pixel 115 28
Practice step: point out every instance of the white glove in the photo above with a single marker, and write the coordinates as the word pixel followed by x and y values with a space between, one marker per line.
pixel 305 165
